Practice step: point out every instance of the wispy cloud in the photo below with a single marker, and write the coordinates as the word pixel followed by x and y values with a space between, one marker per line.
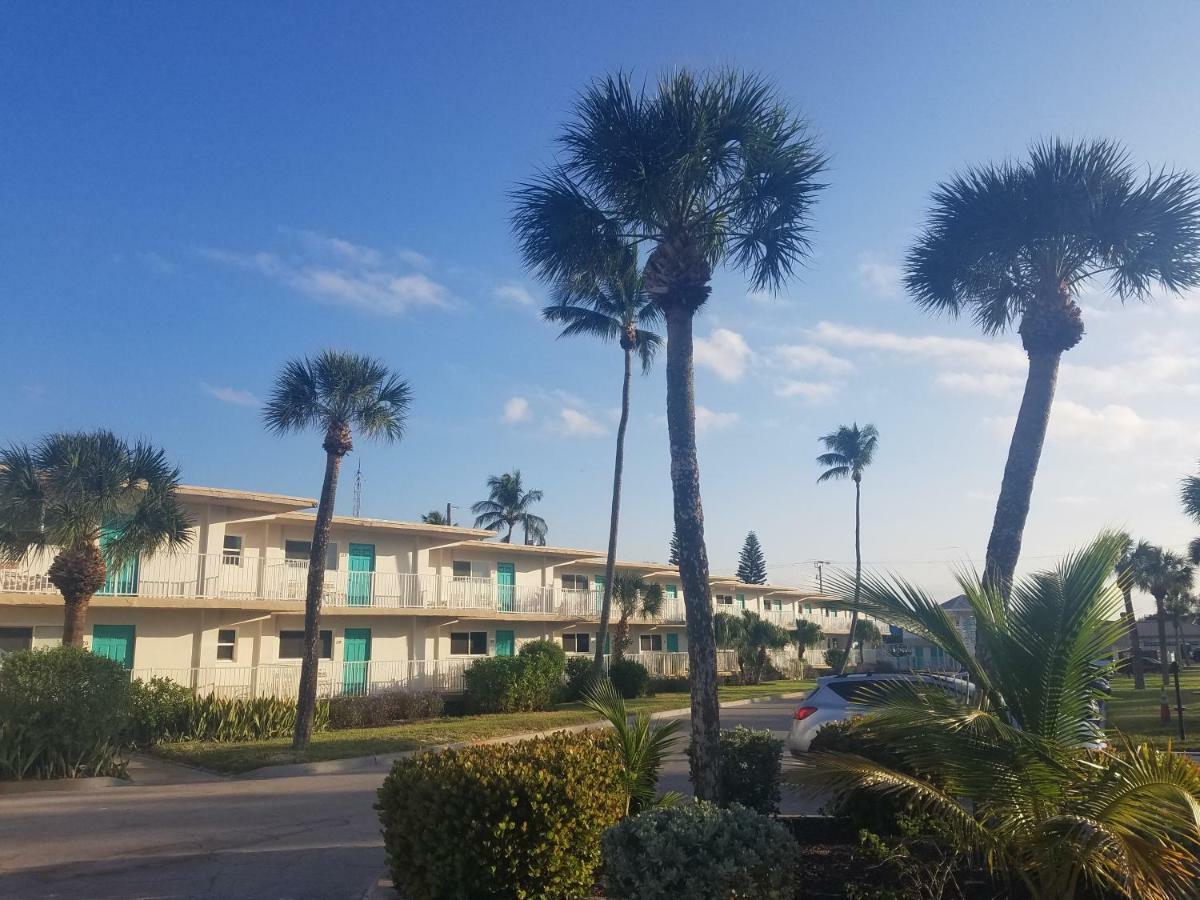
pixel 965 352
pixel 990 384
pixel 708 420
pixel 810 356
pixel 516 294
pixel 881 278
pixel 1114 427
pixel 725 352
pixel 516 409
pixel 575 423
pixel 808 390
pixel 236 396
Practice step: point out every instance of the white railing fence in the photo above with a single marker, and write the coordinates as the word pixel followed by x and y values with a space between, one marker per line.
pixel 906 659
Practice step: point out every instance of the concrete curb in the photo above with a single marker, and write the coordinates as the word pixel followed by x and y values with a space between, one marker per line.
pixel 59 786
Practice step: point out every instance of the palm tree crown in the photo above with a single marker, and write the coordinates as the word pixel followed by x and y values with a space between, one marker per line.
pixel 849 451
pixel 507 506
pixel 1189 496
pixel 1161 573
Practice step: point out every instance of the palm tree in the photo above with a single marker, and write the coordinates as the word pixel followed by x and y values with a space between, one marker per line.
pixel 634 596
pixel 1179 604
pixel 93 500
pixel 1162 574
pixel 507 506
pixel 335 393
pixel 1008 769
pixel 752 637
pixel 1189 496
pixel 1015 243
pixel 1124 570
pixel 610 304
pixel 435 517
pixel 849 450
pixel 706 171
pixel 805 634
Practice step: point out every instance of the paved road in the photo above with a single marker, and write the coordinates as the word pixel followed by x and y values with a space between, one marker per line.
pixel 314 836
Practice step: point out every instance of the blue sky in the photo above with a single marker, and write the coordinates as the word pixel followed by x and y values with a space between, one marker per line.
pixel 195 194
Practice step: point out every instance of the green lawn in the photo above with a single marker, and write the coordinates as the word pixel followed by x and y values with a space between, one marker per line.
pixel 1136 712
pixel 233 758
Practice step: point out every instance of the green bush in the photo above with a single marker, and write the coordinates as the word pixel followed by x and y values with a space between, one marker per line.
pixel 375 710
pixel 161 710
pixel 64 713
pixel 700 851
pixel 630 678
pixel 502 820
pixel 867 810
pixel 221 719
pixel 548 649
pixel 749 770
pixel 834 657
pixel 513 683
pixel 578 678
pixel 672 684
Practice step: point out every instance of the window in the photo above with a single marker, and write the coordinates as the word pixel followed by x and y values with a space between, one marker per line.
pixel 13 639
pixel 577 643
pixel 808 608
pixel 468 643
pixel 297 552
pixel 231 554
pixel 574 582
pixel 724 599
pixel 649 643
pixel 462 569
pixel 227 643
pixel 291 645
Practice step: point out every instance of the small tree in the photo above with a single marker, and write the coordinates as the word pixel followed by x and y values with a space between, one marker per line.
pixel 633 594
pixel 806 634
pixel 753 637
pixel 673 552
pixel 752 564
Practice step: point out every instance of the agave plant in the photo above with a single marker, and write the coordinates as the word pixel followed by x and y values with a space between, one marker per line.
pixel 1012 769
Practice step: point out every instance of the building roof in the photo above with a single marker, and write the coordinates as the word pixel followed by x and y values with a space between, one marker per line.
pixel 467 534
pixel 236 497
pixel 958 604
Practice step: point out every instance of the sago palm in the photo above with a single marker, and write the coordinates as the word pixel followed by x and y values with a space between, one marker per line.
pixel 634 595
pixel 1007 770
pixel 849 451
pixel 609 303
pixel 1125 570
pixel 705 171
pixel 336 394
pixel 1161 574
pixel 1013 244
pixel 96 503
pixel 507 506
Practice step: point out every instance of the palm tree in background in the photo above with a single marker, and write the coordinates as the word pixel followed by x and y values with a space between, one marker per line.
pixel 806 634
pixel 1189 497
pixel 1179 605
pixel 1125 570
pixel 706 170
pixel 849 450
pixel 435 517
pixel 753 637
pixel 608 303
pixel 1162 574
pixel 94 501
pixel 337 394
pixel 1014 244
pixel 507 506
pixel 634 596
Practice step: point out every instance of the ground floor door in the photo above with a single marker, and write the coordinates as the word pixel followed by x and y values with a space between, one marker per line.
pixel 506 643
pixel 356 656
pixel 114 642
pixel 672 642
pixel 506 587
pixel 361 568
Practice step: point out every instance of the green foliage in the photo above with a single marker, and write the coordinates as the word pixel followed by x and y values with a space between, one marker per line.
pixel 865 810
pixel 517 820
pixel 752 637
pixel 375 710
pixel 629 677
pixel 64 713
pixel 172 716
pixel 699 851
pixel 161 710
pixel 833 658
pixel 552 650
pixel 508 505
pixel 670 684
pixel 529 681
pixel 752 564
pixel 749 770
pixel 578 678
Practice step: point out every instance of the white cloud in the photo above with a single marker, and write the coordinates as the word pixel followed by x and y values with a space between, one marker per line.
pixel 516 409
pixel 414 259
pixel 724 352
pixel 574 423
pixel 513 293
pixel 346 250
pixel 884 279
pixel 810 356
pixel 707 420
pixel 236 396
pixel 809 390
pixel 991 384
pixel 1113 428
pixel 1007 356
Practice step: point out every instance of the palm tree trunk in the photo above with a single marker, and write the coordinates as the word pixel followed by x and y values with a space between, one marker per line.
pixel 508 537
pixel 611 562
pixel 306 703
pixel 693 557
pixel 1160 609
pixel 78 573
pixel 857 573
pixel 1024 453
pixel 75 621
pixel 620 635
pixel 1135 643
pixel 1178 640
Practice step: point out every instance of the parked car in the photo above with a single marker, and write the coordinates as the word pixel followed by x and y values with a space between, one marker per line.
pixel 1124 665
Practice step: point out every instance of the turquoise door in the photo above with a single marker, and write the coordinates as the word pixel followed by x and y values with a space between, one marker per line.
pixel 506 644
pixel 356 658
pixel 506 582
pixel 918 657
pixel 359 577
pixel 122 579
pixel 598 593
pixel 114 642
pixel 742 601
pixel 672 591
pixel 672 643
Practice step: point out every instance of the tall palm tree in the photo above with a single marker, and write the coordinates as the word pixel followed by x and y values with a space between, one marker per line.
pixel 1161 573
pixel 610 304
pixel 706 170
pixel 94 501
pixel 849 450
pixel 507 506
pixel 1013 244
pixel 336 393
pixel 1189 497
pixel 634 595
pixel 1125 569
pixel 805 634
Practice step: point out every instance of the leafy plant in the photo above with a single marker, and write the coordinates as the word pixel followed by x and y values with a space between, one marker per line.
pixel 375 710
pixel 834 657
pixel 579 677
pixel 751 764
pixel 629 677
pixel 161 710
pixel 752 637
pixel 634 595
pixel 528 681
pixel 508 505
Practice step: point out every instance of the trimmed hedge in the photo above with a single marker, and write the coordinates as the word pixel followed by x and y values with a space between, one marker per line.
pixel 700 851
pixel 630 678
pixel 376 710
pixel 750 769
pixel 578 678
pixel 522 683
pixel 502 820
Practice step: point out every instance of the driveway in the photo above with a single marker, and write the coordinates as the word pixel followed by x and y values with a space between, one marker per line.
pixel 313 836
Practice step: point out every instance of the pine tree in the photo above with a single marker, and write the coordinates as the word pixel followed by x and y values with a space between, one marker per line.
pixel 752 565
pixel 673 556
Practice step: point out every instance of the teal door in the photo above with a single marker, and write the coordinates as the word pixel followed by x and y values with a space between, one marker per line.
pixel 672 592
pixel 672 643
pixel 506 644
pixel 742 601
pixel 122 579
pixel 356 658
pixel 359 577
pixel 918 657
pixel 506 583
pixel 598 593
pixel 114 642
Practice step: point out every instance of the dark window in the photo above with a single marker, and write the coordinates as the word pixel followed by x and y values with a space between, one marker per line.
pixel 291 644
pixel 462 569
pixel 577 643
pixel 724 600
pixel 575 582
pixel 226 643
pixel 12 639
pixel 232 550
pixel 297 550
pixel 468 643
pixel 650 642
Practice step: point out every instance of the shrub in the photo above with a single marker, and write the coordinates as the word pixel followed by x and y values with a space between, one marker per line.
pixel 749 773
pixel 867 810
pixel 501 820
pixel 699 850
pixel 578 678
pixel 548 649
pixel 672 684
pixel 64 713
pixel 630 678
pixel 375 710
pixel 834 657
pixel 212 718
pixel 161 710
pixel 513 683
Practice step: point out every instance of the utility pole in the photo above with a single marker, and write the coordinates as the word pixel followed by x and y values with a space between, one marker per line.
pixel 820 564
pixel 448 522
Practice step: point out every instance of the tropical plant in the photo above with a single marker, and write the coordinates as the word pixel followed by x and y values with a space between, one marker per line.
pixel 608 303
pixel 706 171
pixel 806 634
pixel 1015 243
pixel 97 503
pixel 436 517
pixel 752 564
pixel 1180 604
pixel 1006 768
pixel 507 506
pixel 1124 570
pixel 635 596
pixel 753 637
pixel 1161 574
pixel 867 633
pixel 848 451
pixel 337 394
pixel 1189 497
pixel 642 749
